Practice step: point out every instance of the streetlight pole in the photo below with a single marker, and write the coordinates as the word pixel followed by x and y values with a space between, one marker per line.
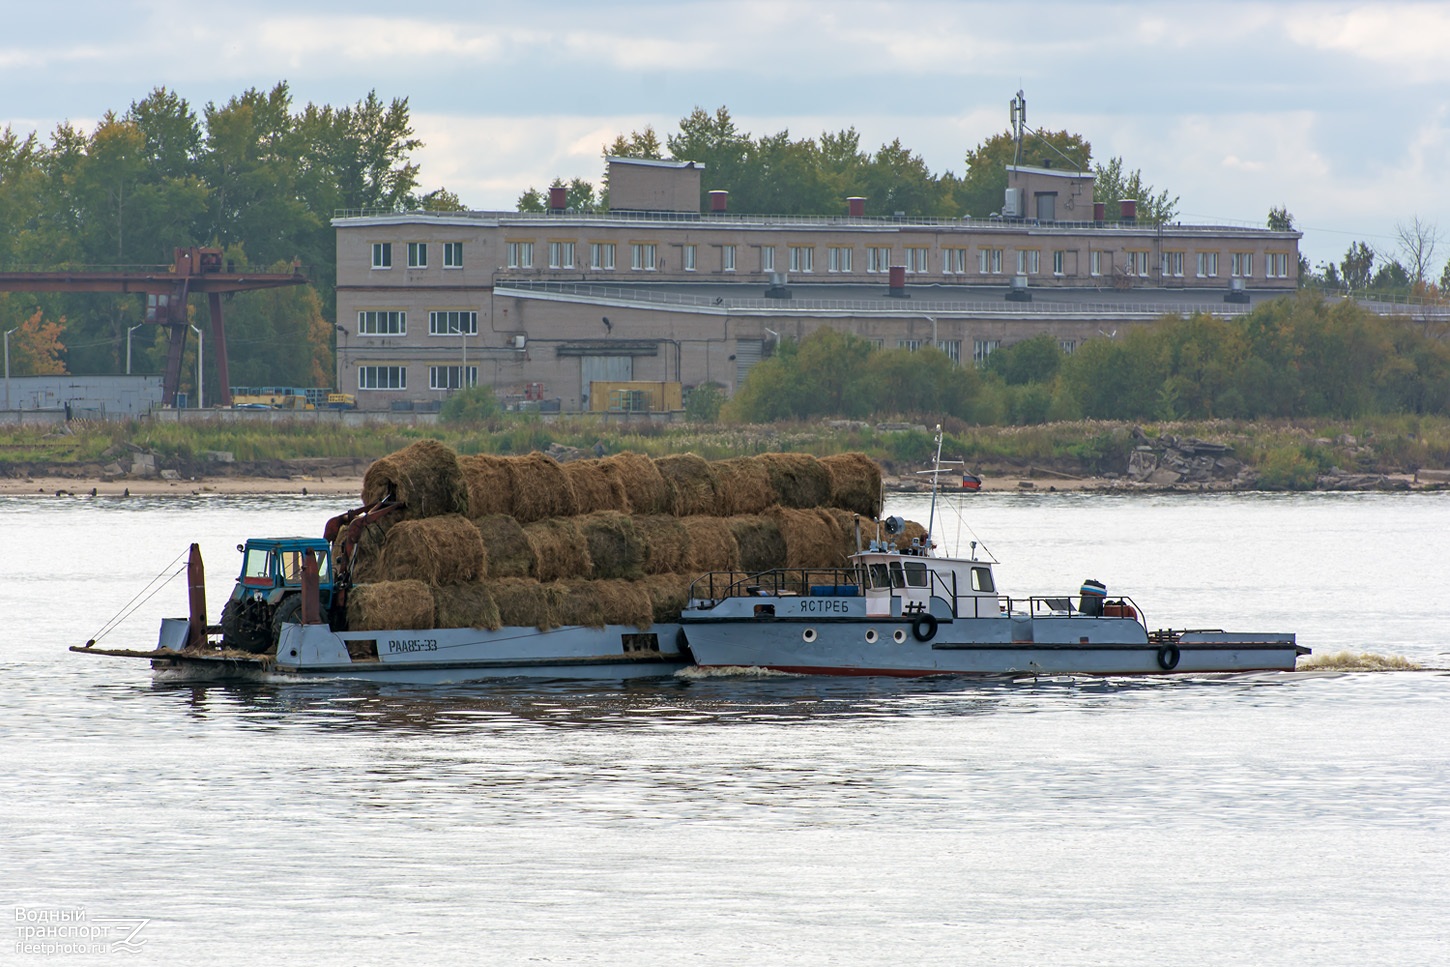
pixel 7 368
pixel 200 395
pixel 128 345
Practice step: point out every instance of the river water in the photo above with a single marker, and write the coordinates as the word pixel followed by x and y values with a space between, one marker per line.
pixel 1269 819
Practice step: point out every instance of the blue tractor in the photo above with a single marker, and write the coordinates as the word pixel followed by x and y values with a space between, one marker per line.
pixel 269 591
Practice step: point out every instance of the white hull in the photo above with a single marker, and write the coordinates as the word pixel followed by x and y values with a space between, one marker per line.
pixel 453 655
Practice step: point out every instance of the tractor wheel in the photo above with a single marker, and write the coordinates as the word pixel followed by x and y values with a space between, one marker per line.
pixel 243 628
pixel 290 610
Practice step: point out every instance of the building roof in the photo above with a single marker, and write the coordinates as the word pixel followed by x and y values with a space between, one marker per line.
pixel 932 299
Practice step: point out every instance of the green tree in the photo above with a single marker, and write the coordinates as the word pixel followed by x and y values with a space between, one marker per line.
pixel 1033 360
pixel 1113 182
pixel 1280 220
pixel 1357 266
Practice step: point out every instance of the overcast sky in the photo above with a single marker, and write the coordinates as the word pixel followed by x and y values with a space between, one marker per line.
pixel 1336 110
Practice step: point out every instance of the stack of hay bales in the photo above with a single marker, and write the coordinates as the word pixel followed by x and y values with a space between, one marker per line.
pixel 525 541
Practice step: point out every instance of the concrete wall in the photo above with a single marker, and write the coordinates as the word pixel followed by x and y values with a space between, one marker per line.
pixel 90 397
pixel 654 186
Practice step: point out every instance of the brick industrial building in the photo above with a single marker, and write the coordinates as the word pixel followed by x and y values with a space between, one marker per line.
pixel 545 305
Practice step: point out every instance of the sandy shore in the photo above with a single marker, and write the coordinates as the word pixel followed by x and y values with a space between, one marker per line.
pixel 351 486
pixel 237 486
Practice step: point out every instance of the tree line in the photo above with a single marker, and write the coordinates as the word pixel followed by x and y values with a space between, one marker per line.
pixel 1297 356
pixel 778 174
pixel 257 176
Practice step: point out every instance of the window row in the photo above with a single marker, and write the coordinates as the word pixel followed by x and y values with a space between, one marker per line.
pixel 396 377
pixel 916 260
pixel 418 255
pixel 394 322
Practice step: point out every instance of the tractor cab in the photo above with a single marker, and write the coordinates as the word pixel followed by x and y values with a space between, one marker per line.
pixel 268 592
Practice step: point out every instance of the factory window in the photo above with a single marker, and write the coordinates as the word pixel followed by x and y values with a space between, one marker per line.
pixel 838 259
pixel 451 322
pixel 1242 264
pixel 382 323
pixel 1137 263
pixel 1207 265
pixel 521 255
pixel 642 256
pixel 1095 263
pixel 691 257
pixel 447 377
pixel 916 259
pixel 1058 258
pixel 953 349
pixel 989 261
pixel 1068 346
pixel 417 255
pixel 1173 264
pixel 601 256
pixel 878 259
pixel 561 255
pixel 453 255
pixel 382 255
pixel 1028 262
pixel 382 377
pixel 767 258
pixel 953 261
pixel 1278 265
pixel 802 258
pixel 727 258
pixel 910 345
pixel 982 348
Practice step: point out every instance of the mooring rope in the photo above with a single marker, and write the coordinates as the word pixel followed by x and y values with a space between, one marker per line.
pixel 130 607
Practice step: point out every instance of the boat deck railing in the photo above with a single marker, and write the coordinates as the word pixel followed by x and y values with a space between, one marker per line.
pixel 716 586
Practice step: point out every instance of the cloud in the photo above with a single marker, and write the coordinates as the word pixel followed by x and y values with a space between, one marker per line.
pixel 1412 38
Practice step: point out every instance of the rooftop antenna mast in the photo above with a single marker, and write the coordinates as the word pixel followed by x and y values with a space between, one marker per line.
pixel 1019 123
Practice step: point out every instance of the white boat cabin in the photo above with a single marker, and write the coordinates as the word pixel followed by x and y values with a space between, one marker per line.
pixel 888 573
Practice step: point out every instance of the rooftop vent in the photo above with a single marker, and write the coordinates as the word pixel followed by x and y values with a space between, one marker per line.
pixel 1018 291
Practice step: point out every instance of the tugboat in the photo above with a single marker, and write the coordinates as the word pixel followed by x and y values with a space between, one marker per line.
pixel 898 609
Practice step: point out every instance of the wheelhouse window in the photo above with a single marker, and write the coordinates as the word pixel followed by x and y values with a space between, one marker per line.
pixel 982 580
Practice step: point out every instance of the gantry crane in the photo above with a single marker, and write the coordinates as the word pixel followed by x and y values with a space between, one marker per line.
pixel 194 271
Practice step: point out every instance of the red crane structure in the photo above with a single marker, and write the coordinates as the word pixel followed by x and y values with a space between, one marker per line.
pixel 194 271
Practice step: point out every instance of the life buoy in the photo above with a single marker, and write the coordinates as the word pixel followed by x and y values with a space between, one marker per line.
pixel 1168 657
pixel 924 627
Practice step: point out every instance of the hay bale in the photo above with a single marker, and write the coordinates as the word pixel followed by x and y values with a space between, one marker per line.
pixel 540 488
pixel 622 602
pixel 798 479
pixel 695 484
pixel 578 603
pixel 712 544
pixel 812 539
pixel 560 550
pixel 855 483
pixel 524 603
pixel 614 546
pixel 424 477
pixel 489 484
pixel 742 487
pixel 390 605
pixel 506 547
pixel 762 547
pixel 845 522
pixel 666 544
pixel 668 594
pixel 435 550
pixel 466 606
pixel 647 490
pixel 594 489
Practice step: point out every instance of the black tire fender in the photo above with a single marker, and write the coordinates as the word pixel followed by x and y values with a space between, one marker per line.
pixel 1168 657
pixel 924 627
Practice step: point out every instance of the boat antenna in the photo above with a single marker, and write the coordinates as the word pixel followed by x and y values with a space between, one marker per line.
pixel 936 472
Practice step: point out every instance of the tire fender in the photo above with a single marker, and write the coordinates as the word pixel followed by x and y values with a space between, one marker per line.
pixel 924 627
pixel 1168 657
